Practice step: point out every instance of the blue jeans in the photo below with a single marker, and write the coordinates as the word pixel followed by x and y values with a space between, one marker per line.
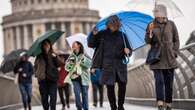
pixel 26 93
pixel 48 91
pixel 79 90
pixel 164 84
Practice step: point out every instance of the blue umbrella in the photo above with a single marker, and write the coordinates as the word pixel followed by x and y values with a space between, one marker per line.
pixel 133 24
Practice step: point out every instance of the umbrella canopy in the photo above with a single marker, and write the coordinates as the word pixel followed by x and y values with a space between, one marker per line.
pixel 52 36
pixel 10 60
pixel 82 38
pixel 133 24
pixel 143 5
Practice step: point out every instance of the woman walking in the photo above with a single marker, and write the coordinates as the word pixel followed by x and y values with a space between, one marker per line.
pixel 163 37
pixel 113 51
pixel 46 65
pixel 63 88
pixel 79 75
pixel 24 70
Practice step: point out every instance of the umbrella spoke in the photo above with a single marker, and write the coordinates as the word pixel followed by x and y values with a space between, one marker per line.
pixel 131 23
pixel 135 33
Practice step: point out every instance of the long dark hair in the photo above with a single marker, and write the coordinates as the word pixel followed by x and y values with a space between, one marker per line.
pixel 81 49
pixel 43 43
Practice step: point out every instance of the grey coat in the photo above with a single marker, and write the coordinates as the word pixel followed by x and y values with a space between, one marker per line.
pixel 113 53
pixel 169 41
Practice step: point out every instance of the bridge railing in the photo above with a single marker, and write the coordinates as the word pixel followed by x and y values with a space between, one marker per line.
pixel 10 96
pixel 141 81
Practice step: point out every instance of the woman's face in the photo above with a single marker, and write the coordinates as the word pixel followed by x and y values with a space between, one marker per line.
pixel 46 47
pixel 62 58
pixel 160 19
pixel 76 47
pixel 24 58
pixel 112 27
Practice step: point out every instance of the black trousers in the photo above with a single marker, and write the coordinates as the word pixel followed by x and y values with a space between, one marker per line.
pixel 64 91
pixel 164 84
pixel 98 88
pixel 121 95
pixel 48 90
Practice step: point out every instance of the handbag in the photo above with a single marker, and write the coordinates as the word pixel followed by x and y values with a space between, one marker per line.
pixel 153 55
pixel 155 51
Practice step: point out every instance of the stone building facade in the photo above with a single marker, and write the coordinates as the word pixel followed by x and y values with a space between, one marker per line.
pixel 31 18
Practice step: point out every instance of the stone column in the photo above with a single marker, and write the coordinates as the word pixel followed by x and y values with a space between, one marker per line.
pixel 8 40
pixel 5 41
pixel 72 27
pixel 88 28
pixel 53 28
pixel 11 42
pixel 63 37
pixel 18 37
pixel 26 35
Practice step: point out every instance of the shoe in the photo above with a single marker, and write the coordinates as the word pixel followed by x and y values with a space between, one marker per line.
pixel 101 105
pixel 121 108
pixel 29 107
pixel 68 106
pixel 160 107
pixel 168 108
pixel 63 108
pixel 95 105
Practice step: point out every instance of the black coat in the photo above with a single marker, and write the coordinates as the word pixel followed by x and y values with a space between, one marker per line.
pixel 27 69
pixel 111 51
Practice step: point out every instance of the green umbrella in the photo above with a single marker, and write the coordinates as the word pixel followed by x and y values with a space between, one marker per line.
pixel 52 36
pixel 10 60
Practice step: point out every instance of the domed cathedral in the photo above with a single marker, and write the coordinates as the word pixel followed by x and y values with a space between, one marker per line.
pixel 32 18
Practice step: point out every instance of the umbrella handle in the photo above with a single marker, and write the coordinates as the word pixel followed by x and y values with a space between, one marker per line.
pixel 126 60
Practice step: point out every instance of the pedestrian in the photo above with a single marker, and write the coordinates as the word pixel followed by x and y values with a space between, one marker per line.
pixel 163 37
pixel 97 87
pixel 63 87
pixel 24 70
pixel 112 52
pixel 79 75
pixel 46 71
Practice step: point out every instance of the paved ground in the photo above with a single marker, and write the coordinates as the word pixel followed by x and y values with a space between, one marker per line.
pixel 106 107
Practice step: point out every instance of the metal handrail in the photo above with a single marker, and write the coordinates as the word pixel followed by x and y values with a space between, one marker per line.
pixel 188 46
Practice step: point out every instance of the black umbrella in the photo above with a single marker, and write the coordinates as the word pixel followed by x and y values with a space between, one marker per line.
pixel 10 60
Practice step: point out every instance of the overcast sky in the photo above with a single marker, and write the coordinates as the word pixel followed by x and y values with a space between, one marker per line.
pixel 185 24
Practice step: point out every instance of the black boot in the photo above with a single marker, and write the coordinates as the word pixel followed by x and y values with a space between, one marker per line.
pixel 29 107
pixel 168 108
pixel 95 105
pixel 101 105
pixel 121 108
pixel 160 107
pixel 68 106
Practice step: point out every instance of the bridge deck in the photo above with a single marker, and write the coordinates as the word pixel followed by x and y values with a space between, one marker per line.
pixel 106 107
